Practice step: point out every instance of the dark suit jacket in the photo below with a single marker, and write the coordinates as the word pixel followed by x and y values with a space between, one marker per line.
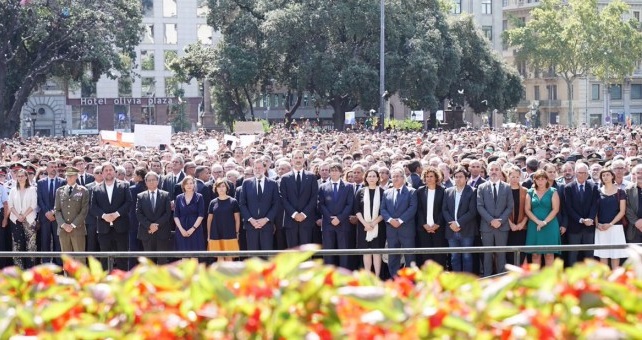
pixel 415 180
pixel 134 190
pixel 91 219
pixel 42 190
pixel 121 201
pixel 252 207
pixel 162 214
pixel 422 207
pixel 479 182
pixel 341 207
pixel 304 201
pixel 405 209
pixel 88 179
pixel 466 212
pixel 632 201
pixel 580 206
pixel 168 184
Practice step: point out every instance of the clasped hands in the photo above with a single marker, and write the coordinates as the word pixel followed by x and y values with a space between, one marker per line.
pixel 153 228
pixel 431 229
pixel 258 223
pixel 111 217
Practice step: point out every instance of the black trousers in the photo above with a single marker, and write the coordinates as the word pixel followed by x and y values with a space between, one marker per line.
pixel 157 244
pixel 113 241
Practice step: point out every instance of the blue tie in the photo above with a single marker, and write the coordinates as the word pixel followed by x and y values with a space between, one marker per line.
pixel 51 191
pixel 335 192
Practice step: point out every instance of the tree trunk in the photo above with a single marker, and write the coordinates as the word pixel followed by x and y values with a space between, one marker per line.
pixel 569 88
pixel 249 102
pixel 289 112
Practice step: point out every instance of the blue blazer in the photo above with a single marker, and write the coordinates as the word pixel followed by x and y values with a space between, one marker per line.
pixel 304 201
pixel 42 190
pixel 579 206
pixel 466 212
pixel 252 207
pixel 341 207
pixel 405 209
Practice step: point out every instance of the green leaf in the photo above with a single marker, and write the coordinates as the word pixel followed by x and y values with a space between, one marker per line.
pixel 287 262
pixel 56 309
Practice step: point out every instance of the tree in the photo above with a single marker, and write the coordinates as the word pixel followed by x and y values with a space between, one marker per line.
pixel 61 38
pixel 483 80
pixel 569 39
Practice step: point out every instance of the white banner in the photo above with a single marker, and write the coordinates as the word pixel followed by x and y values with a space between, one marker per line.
pixel 417 115
pixel 152 135
pixel 439 115
pixel 350 118
pixel 248 128
pixel 247 140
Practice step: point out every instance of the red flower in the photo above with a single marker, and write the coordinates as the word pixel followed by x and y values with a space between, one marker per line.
pixel 254 322
pixel 437 319
pixel 71 266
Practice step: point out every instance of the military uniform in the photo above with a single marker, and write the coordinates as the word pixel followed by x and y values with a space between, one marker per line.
pixel 72 205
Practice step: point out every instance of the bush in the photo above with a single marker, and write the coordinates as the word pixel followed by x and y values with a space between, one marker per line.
pixel 290 298
pixel 404 125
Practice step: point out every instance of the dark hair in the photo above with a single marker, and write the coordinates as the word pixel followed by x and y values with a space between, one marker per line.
pixel 140 171
pixel 369 171
pixel 336 166
pixel 609 171
pixel 413 166
pixel 219 182
pixel 462 170
pixel 540 174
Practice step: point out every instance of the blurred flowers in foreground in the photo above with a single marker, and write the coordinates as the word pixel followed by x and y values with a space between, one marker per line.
pixel 292 297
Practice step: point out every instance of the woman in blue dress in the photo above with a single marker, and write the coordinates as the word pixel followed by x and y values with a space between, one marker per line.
pixel 189 212
pixel 611 207
pixel 223 221
pixel 541 207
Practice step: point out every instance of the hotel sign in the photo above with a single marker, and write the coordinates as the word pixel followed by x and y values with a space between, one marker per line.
pixel 128 101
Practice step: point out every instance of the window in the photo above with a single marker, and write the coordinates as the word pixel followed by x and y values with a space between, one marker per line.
pixel 122 119
pixel 488 32
pixel 171 34
pixel 169 8
pixel 552 92
pixel 147 60
pixel 456 7
pixel 84 117
pixel 536 94
pixel 170 56
pixel 504 3
pixel 636 15
pixel 521 68
pixel 202 10
pixel 148 8
pixel 148 115
pixel 487 6
pixel 595 92
pixel 171 87
pixel 148 35
pixel 124 87
pixel 615 91
pixel 504 28
pixel 204 34
pixel 636 91
pixel 148 87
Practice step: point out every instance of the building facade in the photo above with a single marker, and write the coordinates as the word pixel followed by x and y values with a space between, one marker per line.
pixel 546 96
pixel 57 108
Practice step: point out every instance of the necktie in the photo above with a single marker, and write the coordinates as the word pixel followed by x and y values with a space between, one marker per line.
pixel 581 189
pixel 397 196
pixel 495 192
pixel 335 192
pixel 51 191
pixel 298 181
pixel 82 179
pixel 153 200
pixel 260 192
pixel 70 190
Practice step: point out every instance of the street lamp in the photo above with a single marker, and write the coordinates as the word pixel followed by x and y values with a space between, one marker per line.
pixel 28 125
pixel 64 128
pixel 34 114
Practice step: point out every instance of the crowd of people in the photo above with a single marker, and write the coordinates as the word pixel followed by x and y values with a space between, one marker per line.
pixel 343 190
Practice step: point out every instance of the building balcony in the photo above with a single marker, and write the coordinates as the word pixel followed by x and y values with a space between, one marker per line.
pixel 550 103
pixel 519 4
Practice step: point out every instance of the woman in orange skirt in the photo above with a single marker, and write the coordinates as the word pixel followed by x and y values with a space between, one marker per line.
pixel 223 221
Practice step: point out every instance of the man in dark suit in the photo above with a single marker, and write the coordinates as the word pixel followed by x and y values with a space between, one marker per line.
pixel 414 167
pixel 83 177
pixel 494 204
pixel 430 223
pixel 580 203
pixel 335 203
pixel 46 191
pixel 398 209
pixel 169 181
pixel 475 169
pixel 460 215
pixel 92 220
pixel 189 169
pixel 259 202
pixel 154 213
pixel 110 202
pixel 299 193
pixel 71 206
pixel 633 209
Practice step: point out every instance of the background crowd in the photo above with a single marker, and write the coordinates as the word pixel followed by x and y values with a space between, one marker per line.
pixel 343 190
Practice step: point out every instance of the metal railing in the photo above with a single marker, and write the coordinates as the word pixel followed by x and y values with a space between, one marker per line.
pixel 516 250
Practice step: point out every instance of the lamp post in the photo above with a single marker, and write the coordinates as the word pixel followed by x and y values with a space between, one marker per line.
pixel 64 128
pixel 33 122
pixel 28 125
pixel 382 66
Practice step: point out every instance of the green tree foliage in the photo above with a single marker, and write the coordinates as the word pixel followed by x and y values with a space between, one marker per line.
pixel 572 38
pixel 330 50
pixel 42 38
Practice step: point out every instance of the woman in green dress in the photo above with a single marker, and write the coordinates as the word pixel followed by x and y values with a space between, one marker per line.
pixel 542 207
